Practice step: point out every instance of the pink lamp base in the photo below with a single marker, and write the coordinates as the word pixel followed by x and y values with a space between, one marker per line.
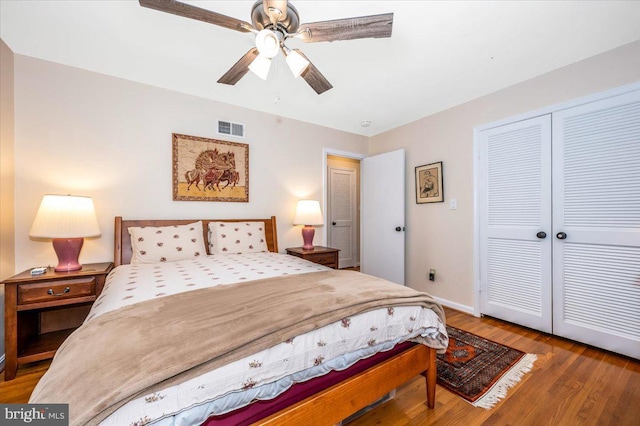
pixel 307 237
pixel 68 250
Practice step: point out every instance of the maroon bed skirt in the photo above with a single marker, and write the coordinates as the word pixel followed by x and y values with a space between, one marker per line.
pixel 260 409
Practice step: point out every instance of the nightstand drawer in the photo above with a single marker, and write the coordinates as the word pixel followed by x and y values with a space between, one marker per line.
pixel 326 256
pixel 325 259
pixel 56 290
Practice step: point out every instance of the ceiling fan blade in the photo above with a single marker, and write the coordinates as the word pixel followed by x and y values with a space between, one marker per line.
pixel 193 12
pixel 375 26
pixel 313 77
pixel 239 69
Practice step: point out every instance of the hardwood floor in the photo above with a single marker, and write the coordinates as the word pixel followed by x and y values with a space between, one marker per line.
pixel 571 384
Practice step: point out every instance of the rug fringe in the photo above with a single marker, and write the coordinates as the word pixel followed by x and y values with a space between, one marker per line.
pixel 507 381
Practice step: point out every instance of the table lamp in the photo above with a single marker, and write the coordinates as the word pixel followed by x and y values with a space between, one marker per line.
pixel 308 214
pixel 67 219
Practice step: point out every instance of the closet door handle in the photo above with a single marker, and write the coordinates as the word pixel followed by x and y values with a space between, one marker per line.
pixel 542 235
pixel 561 235
pixel 333 223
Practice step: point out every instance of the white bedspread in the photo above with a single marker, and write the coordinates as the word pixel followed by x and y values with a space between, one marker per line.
pixel 129 284
pixel 271 370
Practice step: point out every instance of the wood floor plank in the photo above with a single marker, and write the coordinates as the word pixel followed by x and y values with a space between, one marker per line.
pixel 571 383
pixel 625 401
pixel 607 381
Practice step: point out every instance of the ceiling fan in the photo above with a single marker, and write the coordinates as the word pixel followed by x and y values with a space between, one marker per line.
pixel 273 22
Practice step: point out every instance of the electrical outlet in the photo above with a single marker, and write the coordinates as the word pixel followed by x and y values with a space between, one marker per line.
pixel 432 274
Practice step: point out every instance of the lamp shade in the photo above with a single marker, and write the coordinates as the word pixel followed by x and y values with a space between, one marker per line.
pixel 65 216
pixel 308 213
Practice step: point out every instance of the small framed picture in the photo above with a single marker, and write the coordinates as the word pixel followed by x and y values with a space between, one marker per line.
pixel 429 187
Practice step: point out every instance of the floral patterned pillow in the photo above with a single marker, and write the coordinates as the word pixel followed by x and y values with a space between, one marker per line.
pixel 237 237
pixel 152 244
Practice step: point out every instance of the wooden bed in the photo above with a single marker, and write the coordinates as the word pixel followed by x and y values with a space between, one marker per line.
pixel 339 401
pixel 122 247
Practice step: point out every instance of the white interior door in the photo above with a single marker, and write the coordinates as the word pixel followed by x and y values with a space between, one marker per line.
pixel 342 214
pixel 382 215
pixel 596 154
pixel 514 207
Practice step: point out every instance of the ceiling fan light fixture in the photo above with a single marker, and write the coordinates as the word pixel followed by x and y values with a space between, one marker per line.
pixel 272 23
pixel 268 43
pixel 260 66
pixel 296 62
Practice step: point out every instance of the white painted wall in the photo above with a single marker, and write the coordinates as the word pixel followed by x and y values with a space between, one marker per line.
pixel 89 134
pixel 7 258
pixel 440 238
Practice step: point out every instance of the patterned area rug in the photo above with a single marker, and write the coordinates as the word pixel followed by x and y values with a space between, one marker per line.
pixel 480 370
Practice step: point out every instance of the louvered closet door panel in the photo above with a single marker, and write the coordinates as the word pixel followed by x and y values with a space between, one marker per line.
pixel 514 206
pixel 596 153
pixel 342 205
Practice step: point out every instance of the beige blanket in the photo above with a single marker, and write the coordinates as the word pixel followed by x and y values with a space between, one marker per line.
pixel 145 347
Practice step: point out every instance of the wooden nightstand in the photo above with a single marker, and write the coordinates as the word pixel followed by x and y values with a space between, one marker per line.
pixel 326 256
pixel 41 311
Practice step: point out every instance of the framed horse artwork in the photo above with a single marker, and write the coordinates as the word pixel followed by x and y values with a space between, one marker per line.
pixel 209 169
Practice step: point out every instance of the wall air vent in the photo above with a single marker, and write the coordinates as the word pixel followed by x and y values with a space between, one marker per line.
pixel 233 129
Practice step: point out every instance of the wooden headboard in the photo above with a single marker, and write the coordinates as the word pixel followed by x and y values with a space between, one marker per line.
pixel 122 247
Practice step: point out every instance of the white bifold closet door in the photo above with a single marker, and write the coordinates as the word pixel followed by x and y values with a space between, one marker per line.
pixel 514 209
pixel 596 204
pixel 559 223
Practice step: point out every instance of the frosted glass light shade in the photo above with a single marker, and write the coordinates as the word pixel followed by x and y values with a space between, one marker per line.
pixel 267 43
pixel 260 66
pixel 65 216
pixel 297 63
pixel 308 213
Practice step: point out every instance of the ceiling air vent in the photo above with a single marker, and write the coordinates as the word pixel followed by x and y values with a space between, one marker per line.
pixel 233 129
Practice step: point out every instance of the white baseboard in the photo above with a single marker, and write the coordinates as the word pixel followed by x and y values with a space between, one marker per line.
pixel 455 305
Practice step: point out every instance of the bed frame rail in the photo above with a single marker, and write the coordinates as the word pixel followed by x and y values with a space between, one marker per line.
pixel 347 397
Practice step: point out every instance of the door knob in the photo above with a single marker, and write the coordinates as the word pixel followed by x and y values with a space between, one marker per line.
pixel 333 223
pixel 398 229
pixel 561 235
pixel 542 235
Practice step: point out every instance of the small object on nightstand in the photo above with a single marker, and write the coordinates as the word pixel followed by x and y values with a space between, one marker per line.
pixel 39 270
pixel 326 256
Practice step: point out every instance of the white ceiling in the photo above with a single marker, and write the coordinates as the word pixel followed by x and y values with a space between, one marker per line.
pixel 441 54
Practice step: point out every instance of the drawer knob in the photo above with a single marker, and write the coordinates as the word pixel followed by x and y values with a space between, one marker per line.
pixel 65 291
